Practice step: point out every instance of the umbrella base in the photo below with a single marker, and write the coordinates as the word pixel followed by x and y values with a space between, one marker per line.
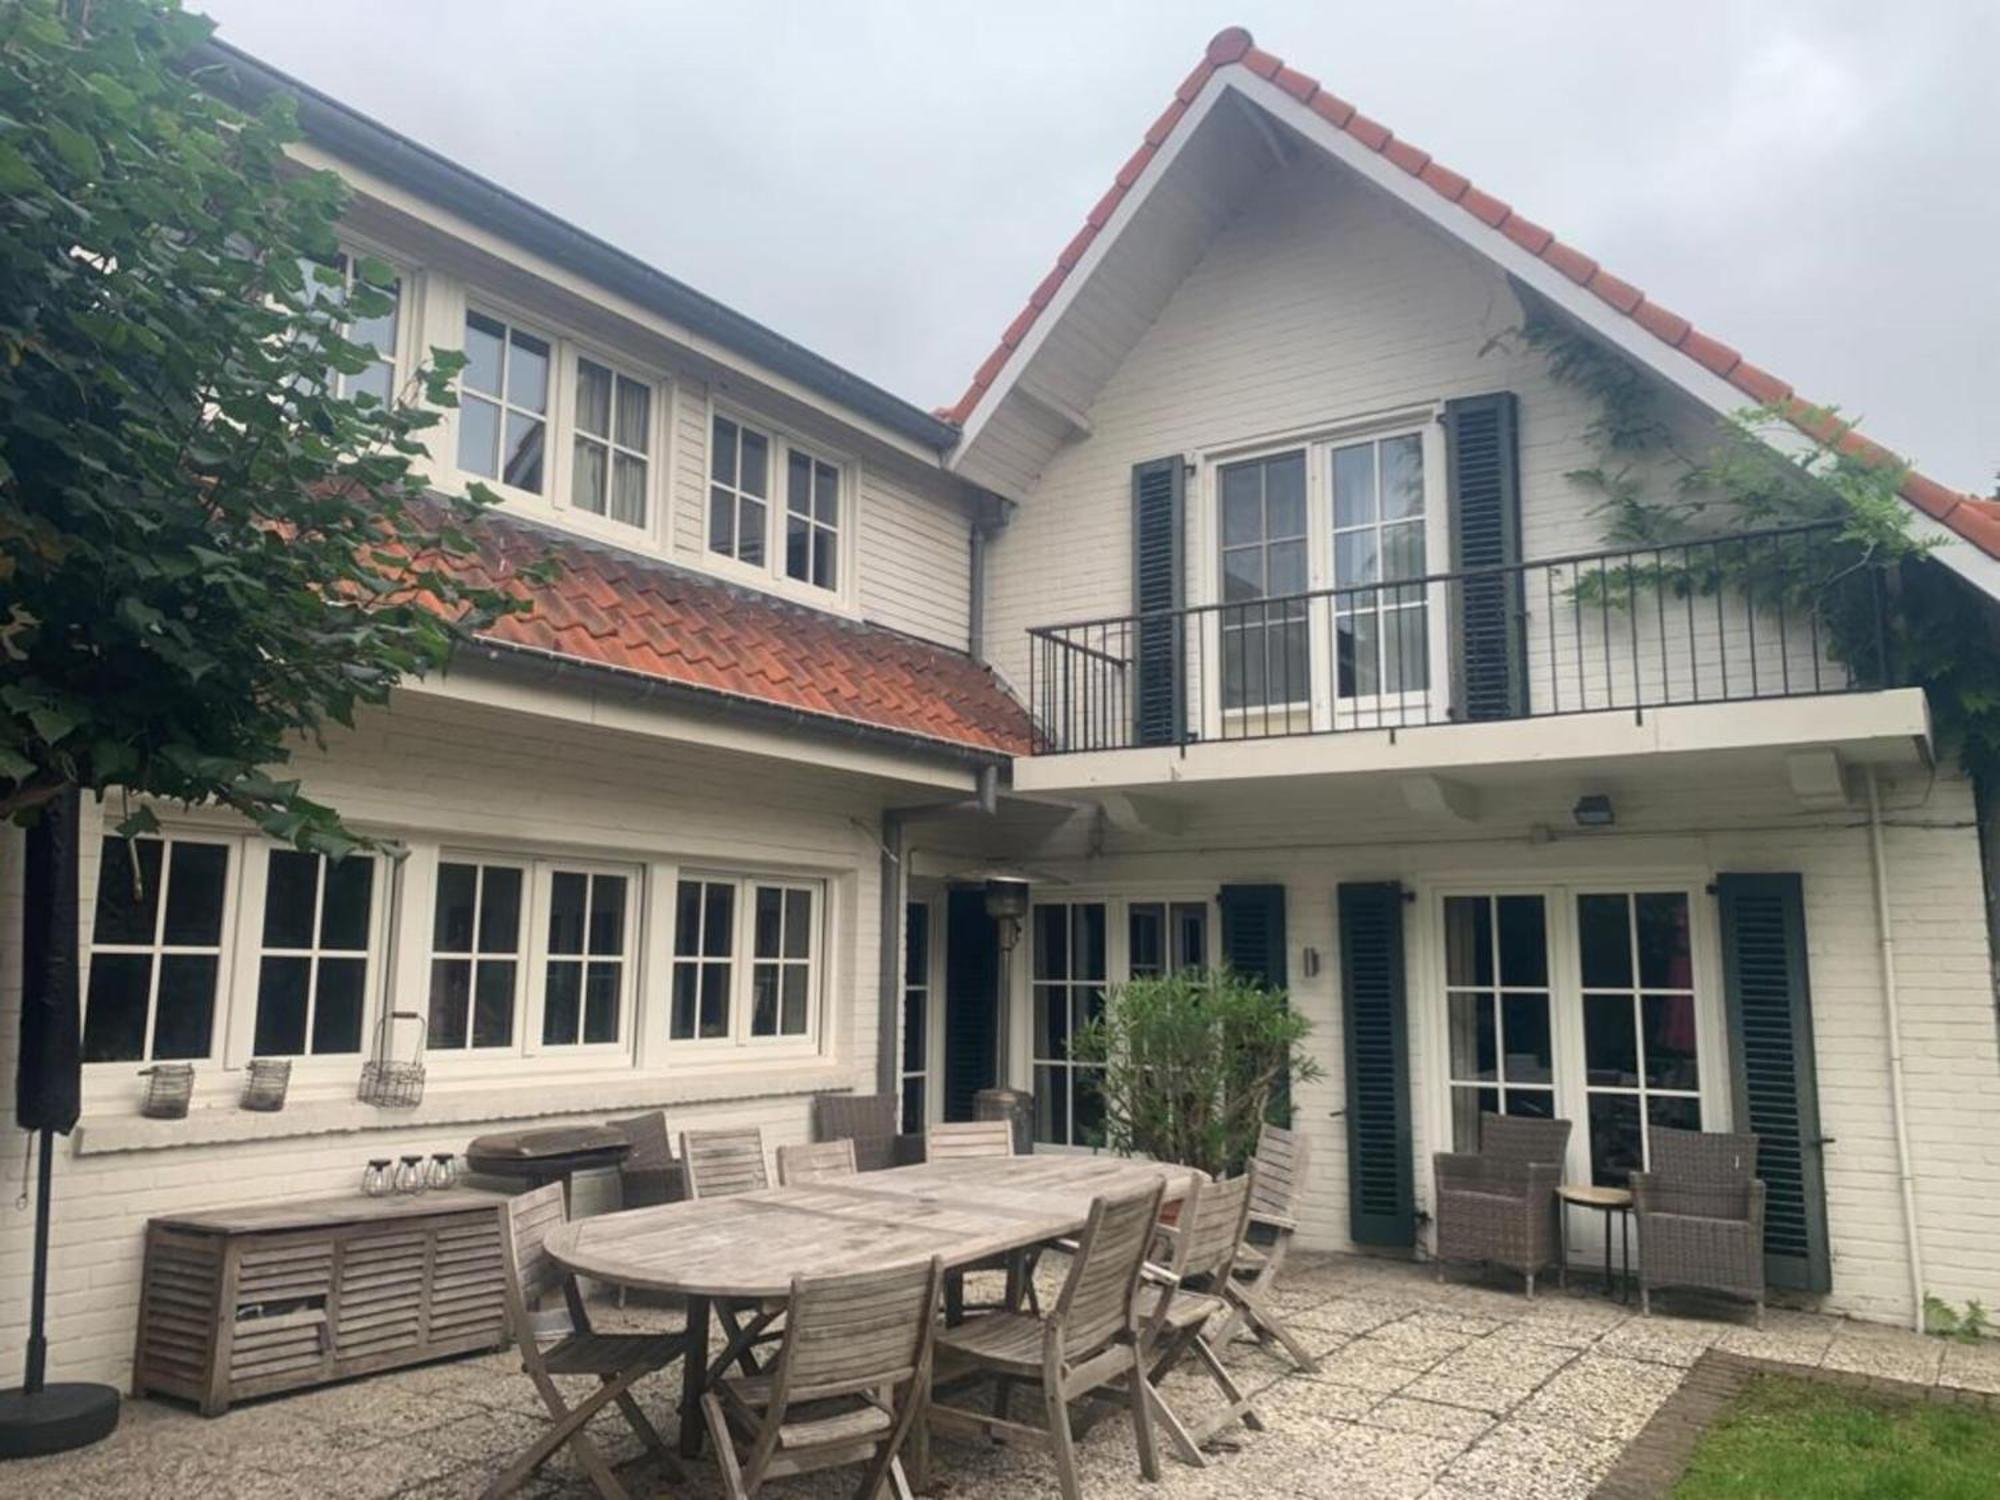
pixel 55 1419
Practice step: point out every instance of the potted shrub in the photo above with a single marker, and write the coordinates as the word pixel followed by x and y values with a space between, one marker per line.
pixel 1193 1065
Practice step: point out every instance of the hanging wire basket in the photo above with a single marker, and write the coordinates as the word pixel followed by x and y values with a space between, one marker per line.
pixel 264 1085
pixel 389 1084
pixel 169 1087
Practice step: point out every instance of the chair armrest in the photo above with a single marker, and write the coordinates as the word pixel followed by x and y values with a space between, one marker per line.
pixel 1457 1169
pixel 1157 1274
pixel 1645 1193
pixel 1757 1209
pixel 1279 1222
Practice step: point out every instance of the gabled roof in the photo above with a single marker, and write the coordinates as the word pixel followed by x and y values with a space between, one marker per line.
pixel 637 616
pixel 1975 519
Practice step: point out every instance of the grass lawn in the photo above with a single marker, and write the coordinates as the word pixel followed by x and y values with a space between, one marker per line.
pixel 1791 1439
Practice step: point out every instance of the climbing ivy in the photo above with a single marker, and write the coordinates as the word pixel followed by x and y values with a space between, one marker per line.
pixel 1754 474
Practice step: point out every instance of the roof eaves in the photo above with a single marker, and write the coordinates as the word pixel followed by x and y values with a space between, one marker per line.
pixel 367 143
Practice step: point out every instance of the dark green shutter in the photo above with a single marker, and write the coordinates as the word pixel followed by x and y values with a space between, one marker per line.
pixel 1253 932
pixel 1772 1069
pixel 1482 461
pixel 1159 572
pixel 1253 944
pixel 1381 1195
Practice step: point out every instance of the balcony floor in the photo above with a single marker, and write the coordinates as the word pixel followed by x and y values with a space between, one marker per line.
pixel 1461 1391
pixel 1886 727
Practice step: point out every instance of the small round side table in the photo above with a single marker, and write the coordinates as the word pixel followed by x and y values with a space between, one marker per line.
pixel 1608 1201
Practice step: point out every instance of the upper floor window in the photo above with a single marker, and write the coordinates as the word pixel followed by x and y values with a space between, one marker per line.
pixel 503 404
pixel 377 331
pixel 1378 538
pixel 612 443
pixel 800 540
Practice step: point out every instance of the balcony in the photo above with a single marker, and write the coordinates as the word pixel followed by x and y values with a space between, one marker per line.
pixel 1746 619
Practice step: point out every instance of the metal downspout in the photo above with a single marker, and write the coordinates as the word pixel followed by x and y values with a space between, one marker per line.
pixel 1892 1019
pixel 894 841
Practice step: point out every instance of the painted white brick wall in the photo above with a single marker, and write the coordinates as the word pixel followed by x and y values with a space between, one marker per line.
pixel 450 770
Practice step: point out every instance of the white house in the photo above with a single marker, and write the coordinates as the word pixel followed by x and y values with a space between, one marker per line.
pixel 1354 704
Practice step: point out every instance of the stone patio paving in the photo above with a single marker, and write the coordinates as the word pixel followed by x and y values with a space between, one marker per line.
pixel 1465 1391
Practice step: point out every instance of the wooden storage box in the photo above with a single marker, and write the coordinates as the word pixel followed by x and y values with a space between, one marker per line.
pixel 250 1301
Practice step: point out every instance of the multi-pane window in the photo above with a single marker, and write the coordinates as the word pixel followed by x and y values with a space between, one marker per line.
pixel 476 966
pixel 704 950
pixel 812 520
pixel 503 406
pixel 1497 1011
pixel 312 969
pixel 1636 964
pixel 1164 938
pixel 746 960
pixel 333 281
pixel 1069 982
pixel 611 444
pixel 739 491
pixel 586 963
pixel 916 1014
pixel 781 961
pixel 1379 615
pixel 156 949
pixel 1264 645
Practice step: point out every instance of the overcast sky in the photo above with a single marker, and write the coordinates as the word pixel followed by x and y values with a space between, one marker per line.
pixel 1814 183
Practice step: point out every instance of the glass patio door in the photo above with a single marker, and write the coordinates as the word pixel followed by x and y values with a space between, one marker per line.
pixel 1501 1043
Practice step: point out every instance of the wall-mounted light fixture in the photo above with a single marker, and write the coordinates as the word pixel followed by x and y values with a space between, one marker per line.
pixel 1594 811
pixel 1309 963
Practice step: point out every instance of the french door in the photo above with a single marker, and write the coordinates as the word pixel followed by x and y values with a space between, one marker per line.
pixel 1592 1002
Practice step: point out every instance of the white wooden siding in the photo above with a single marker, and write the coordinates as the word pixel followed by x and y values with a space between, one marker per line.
pixel 1686 827
pixel 1325 302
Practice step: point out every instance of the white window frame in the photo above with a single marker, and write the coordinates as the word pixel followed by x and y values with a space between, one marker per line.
pixel 245 976
pixel 223 949
pixel 1496 995
pixel 399 357
pixel 1365 710
pixel 482 860
pixel 738 1039
pixel 1323 712
pixel 614 449
pixel 556 499
pixel 927 990
pixel 771 574
pixel 545 870
pixel 1559 891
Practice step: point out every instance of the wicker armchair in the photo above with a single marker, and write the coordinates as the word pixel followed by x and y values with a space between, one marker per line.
pixel 1699 1211
pixel 1498 1206
pixel 868 1120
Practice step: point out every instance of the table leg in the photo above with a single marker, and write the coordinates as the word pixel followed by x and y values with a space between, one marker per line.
pixel 1608 1292
pixel 1625 1253
pixel 694 1376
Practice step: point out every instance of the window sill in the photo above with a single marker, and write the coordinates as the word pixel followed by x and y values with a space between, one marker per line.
pixel 103 1132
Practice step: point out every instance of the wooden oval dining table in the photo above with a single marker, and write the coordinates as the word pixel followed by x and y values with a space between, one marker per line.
pixel 747 1248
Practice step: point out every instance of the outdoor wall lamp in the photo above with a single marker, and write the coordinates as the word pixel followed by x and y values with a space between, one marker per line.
pixel 1593 811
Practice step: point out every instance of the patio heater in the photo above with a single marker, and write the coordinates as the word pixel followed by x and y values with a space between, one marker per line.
pixel 37 1417
pixel 1007 905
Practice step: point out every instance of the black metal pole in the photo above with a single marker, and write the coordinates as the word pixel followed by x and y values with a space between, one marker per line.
pixel 36 1375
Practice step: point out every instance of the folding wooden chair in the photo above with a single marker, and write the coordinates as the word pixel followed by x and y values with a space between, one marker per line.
pixel 822 1161
pixel 1283 1158
pixel 849 1384
pixel 1088 1342
pixel 722 1164
pixel 974 1140
pixel 1178 1301
pixel 563 1343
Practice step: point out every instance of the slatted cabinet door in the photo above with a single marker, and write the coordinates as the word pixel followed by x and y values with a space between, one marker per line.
pixel 249 1302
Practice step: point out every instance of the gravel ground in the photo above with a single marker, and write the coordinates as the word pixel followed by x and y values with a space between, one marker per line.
pixel 1459 1391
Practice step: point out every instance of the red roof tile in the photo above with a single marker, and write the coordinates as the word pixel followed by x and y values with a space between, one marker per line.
pixel 1975 519
pixel 612 608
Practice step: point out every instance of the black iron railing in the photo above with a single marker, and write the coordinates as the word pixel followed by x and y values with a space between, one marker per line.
pixel 1767 614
